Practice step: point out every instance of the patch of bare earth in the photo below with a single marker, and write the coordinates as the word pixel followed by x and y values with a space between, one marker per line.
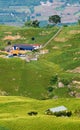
pixel 76 70
pixel 9 37
pixel 3 93
pixel 69 45
pixel 8 32
pixel 74 32
pixel 60 39
pixel 55 47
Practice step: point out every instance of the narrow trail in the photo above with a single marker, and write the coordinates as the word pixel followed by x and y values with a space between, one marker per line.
pixel 52 38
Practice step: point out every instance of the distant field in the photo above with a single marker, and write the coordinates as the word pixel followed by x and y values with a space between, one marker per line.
pixel 19 78
pixel 13 114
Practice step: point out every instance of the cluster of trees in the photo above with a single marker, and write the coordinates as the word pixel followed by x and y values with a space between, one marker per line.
pixel 34 23
pixel 54 19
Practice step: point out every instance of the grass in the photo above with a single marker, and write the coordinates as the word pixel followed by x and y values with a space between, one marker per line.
pixel 13 114
pixel 19 78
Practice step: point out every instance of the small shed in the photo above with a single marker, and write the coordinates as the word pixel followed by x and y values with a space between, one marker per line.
pixel 57 109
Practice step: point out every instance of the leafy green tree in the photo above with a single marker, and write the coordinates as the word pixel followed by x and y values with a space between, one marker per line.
pixel 55 19
pixel 34 23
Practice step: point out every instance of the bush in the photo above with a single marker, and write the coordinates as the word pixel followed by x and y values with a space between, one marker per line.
pixel 53 79
pixel 65 81
pixel 32 113
pixel 50 89
pixel 69 113
pixel 48 112
pixel 58 114
pixel 63 113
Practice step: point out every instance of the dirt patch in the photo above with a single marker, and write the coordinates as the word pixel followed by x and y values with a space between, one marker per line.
pixel 77 52
pixel 69 45
pixel 74 32
pixel 8 32
pixel 55 47
pixel 76 70
pixel 43 33
pixel 76 82
pixel 3 93
pixel 9 37
pixel 60 39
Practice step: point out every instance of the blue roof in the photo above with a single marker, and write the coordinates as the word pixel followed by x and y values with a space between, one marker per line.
pixel 57 109
pixel 24 47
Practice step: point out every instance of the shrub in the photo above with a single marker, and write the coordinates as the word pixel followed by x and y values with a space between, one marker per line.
pixel 69 113
pixel 50 89
pixel 63 113
pixel 32 113
pixel 65 81
pixel 53 79
pixel 48 112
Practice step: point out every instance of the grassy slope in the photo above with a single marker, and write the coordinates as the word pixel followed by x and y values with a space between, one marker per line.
pixel 13 114
pixel 28 79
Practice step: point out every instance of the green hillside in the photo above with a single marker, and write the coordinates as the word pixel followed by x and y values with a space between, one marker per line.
pixel 13 114
pixel 40 79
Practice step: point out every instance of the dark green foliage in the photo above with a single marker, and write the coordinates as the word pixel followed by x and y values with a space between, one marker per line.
pixel 50 89
pixel 32 113
pixel 34 23
pixel 48 112
pixel 53 79
pixel 63 113
pixel 9 43
pixel 58 114
pixel 66 81
pixel 55 19
pixel 69 113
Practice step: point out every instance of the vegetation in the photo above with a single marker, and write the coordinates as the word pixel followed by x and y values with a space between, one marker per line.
pixel 55 19
pixel 57 67
pixel 34 23
pixel 13 114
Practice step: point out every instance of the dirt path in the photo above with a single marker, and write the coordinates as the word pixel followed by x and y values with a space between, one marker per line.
pixel 52 38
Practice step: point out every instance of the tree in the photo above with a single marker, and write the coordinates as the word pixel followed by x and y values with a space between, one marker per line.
pixel 35 23
pixel 30 23
pixel 54 19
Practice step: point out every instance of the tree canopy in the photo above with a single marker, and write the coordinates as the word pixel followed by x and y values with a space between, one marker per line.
pixel 55 19
pixel 34 23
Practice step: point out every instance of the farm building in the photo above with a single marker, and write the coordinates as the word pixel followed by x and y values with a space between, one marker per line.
pixel 57 109
pixel 26 47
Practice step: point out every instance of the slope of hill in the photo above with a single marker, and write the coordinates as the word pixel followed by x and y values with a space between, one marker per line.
pixel 13 114
pixel 60 68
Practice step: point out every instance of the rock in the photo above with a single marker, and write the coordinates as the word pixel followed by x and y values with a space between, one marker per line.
pixel 60 85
